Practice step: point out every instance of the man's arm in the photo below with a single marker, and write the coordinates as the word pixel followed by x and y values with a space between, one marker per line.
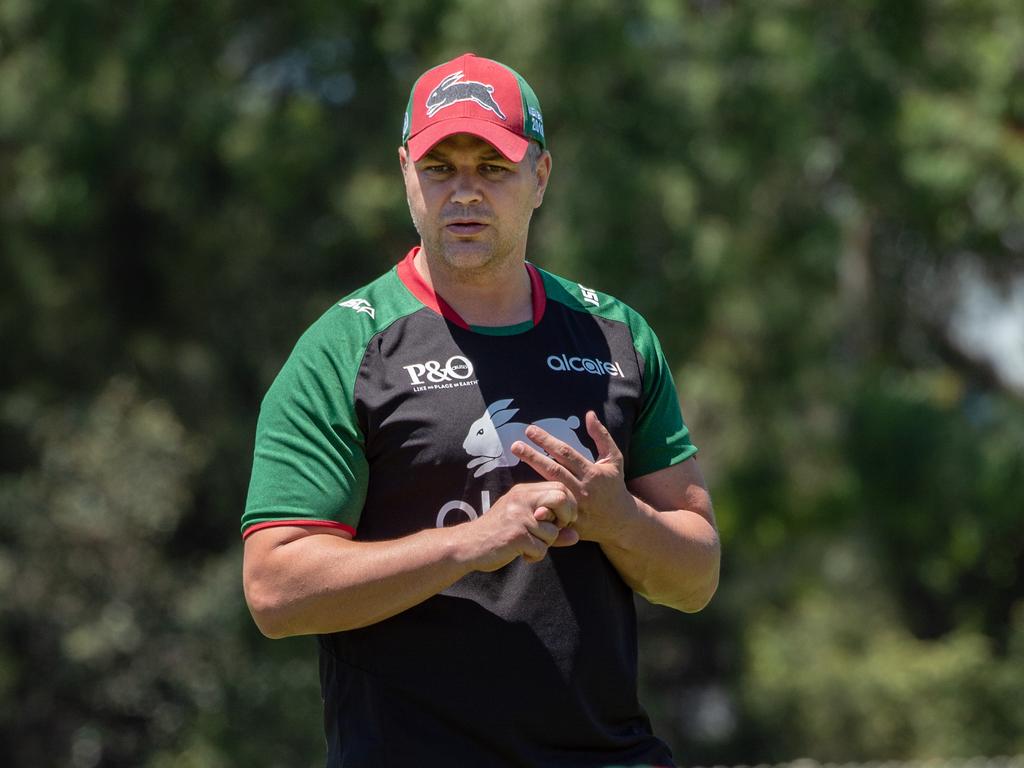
pixel 669 552
pixel 311 580
pixel 659 532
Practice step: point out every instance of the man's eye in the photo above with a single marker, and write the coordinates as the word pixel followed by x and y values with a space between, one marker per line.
pixel 495 170
pixel 437 169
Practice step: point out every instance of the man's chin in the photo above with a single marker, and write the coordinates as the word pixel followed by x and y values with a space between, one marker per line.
pixel 467 255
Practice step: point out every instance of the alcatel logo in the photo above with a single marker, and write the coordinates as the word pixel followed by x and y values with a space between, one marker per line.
pixel 584 365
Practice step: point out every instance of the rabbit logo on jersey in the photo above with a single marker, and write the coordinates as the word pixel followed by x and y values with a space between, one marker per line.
pixel 489 442
pixel 491 436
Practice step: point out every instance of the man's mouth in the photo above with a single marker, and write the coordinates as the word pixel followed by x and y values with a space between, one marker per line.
pixel 465 227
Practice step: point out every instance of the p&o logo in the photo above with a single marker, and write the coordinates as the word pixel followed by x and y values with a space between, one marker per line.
pixel 456 371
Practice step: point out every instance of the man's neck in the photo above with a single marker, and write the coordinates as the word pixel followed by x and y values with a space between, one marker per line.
pixel 494 297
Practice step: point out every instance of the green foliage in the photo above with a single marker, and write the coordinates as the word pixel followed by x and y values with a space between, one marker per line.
pixel 842 680
pixel 788 191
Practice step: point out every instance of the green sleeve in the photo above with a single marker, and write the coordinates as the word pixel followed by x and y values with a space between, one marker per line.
pixel 309 464
pixel 660 436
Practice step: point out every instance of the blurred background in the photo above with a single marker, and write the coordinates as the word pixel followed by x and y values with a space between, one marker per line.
pixel 818 206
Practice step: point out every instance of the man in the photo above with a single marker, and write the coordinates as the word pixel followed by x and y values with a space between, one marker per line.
pixel 466 468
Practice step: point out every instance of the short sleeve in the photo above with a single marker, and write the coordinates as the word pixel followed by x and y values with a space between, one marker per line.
pixel 309 464
pixel 660 436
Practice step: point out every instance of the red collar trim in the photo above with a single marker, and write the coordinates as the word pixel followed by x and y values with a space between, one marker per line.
pixel 419 287
pixel 538 296
pixel 413 280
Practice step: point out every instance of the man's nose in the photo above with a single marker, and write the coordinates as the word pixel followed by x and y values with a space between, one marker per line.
pixel 467 188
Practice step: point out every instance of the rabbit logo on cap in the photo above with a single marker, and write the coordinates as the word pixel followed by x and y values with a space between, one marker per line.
pixel 453 89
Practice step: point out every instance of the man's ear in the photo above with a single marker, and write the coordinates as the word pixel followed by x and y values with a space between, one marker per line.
pixel 403 158
pixel 543 175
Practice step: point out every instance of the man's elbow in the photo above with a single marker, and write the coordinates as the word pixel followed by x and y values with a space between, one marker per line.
pixel 693 601
pixel 699 599
pixel 267 608
pixel 700 587
pixel 269 628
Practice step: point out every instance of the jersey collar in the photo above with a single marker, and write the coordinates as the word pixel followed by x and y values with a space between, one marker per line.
pixel 413 280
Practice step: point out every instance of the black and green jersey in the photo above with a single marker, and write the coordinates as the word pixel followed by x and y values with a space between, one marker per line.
pixel 393 415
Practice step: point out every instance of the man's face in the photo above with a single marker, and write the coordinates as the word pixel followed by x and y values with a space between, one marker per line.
pixel 472 206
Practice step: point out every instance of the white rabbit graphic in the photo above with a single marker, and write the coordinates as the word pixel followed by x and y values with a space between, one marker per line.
pixel 491 436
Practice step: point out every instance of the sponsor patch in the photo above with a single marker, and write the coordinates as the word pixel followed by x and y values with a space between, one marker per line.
pixel 456 371
pixel 584 365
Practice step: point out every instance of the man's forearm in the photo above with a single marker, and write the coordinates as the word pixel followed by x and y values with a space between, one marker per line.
pixel 670 557
pixel 299 582
pixel 321 583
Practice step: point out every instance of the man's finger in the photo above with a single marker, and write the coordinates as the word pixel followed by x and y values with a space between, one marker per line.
pixel 561 452
pixel 566 538
pixel 560 503
pixel 543 514
pixel 546 532
pixel 545 466
pixel 606 447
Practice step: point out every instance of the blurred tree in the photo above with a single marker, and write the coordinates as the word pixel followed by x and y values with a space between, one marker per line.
pixel 791 192
pixel 835 677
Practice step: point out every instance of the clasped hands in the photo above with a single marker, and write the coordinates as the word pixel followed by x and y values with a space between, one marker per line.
pixel 576 499
pixel 602 499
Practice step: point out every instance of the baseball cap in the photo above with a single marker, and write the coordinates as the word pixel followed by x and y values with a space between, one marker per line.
pixel 470 94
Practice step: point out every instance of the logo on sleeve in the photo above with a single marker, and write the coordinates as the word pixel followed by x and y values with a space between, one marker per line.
pixel 359 305
pixel 589 295
pixel 454 89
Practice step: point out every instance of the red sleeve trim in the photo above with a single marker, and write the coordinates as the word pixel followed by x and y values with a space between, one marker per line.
pixel 312 523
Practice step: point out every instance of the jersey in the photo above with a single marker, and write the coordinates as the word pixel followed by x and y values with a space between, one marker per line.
pixel 393 415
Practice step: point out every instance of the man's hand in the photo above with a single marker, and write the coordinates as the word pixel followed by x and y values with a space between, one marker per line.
pixel 659 532
pixel 525 521
pixel 599 486
pixel 305 580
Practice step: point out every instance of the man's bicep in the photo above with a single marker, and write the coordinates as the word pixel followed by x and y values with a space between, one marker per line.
pixel 680 486
pixel 262 549
pixel 282 565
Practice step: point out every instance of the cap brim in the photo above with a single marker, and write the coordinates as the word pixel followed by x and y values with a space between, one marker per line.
pixel 507 143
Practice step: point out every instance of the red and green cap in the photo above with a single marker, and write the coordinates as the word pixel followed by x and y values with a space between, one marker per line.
pixel 473 95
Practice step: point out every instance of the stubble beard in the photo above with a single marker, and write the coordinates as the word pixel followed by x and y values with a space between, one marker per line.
pixel 470 261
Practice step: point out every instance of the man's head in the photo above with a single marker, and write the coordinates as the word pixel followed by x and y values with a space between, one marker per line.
pixel 474 163
pixel 473 95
